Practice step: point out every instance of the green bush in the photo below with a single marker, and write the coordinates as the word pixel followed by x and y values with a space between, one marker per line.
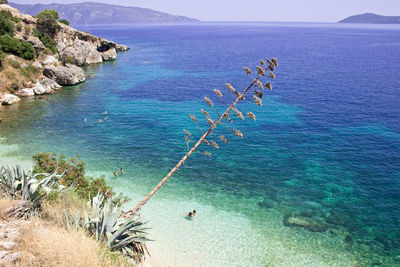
pixel 74 175
pixel 19 26
pixel 46 39
pixel 27 29
pixel 64 21
pixel 6 26
pixel 48 42
pixel 47 22
pixel 17 47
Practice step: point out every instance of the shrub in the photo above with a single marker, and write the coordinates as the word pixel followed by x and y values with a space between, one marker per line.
pixel 64 21
pixel 6 27
pixel 74 174
pixel 47 22
pixel 48 42
pixel 19 26
pixel 46 39
pixel 17 47
pixel 27 29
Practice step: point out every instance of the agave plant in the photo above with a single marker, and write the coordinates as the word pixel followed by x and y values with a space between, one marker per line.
pixel 104 222
pixel 20 184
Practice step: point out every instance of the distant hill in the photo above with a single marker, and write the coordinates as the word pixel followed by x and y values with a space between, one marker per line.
pixel 100 13
pixel 371 18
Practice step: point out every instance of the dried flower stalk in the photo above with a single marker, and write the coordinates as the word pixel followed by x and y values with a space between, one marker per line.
pixel 239 96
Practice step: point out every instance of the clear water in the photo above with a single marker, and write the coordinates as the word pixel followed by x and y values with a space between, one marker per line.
pixel 326 143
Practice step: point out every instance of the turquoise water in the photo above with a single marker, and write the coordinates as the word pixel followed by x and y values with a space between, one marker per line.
pixel 326 143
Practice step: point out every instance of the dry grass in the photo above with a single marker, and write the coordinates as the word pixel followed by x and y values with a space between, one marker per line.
pixel 12 79
pixel 55 246
pixel 55 208
pixel 5 203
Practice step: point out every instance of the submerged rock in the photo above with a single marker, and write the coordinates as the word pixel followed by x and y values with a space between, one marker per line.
pixel 308 223
pixel 10 99
pixel 65 75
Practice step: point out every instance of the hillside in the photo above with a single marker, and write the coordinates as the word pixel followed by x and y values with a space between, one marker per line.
pixel 40 55
pixel 100 13
pixel 372 18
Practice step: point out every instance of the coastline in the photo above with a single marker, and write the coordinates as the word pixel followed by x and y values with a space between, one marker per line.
pixel 56 70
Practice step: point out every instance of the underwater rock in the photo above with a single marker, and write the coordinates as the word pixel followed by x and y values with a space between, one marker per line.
pixel 310 224
pixel 265 204
pixel 338 219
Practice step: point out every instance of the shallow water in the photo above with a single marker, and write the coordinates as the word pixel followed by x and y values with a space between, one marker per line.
pixel 326 143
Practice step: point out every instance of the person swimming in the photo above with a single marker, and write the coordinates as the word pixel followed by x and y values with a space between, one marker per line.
pixel 115 173
pixel 105 112
pixel 100 121
pixel 190 215
pixel 122 171
pixel 194 213
pixel 84 120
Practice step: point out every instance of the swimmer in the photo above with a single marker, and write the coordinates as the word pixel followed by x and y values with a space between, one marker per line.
pixel 106 118
pixel 84 120
pixel 100 121
pixel 115 173
pixel 105 112
pixel 122 171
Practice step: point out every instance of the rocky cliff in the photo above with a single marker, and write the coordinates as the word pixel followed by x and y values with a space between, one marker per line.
pixel 52 66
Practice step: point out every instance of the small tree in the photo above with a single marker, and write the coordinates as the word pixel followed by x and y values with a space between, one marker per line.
pixel 256 86
pixel 47 22
pixel 3 2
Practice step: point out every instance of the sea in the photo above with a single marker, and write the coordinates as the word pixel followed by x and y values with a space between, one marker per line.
pixel 325 145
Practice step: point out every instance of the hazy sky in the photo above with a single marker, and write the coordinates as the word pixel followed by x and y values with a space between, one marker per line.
pixel 257 10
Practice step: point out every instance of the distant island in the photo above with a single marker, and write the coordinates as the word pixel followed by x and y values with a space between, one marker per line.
pixel 100 13
pixel 372 18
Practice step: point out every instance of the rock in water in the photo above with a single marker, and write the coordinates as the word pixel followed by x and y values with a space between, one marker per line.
pixel 25 92
pixel 65 75
pixel 10 99
pixel 81 53
pixel 308 223
pixel 110 54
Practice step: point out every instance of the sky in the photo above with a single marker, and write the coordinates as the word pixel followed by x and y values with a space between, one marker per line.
pixel 256 10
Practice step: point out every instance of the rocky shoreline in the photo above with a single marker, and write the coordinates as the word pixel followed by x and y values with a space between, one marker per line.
pixel 62 68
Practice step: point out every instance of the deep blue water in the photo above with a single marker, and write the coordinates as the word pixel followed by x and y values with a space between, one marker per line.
pixel 326 142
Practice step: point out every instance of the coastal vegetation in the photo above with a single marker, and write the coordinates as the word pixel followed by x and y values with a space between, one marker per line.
pixel 50 199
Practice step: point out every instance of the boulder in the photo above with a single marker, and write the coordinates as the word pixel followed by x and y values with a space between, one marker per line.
pixel 50 85
pixel 65 75
pixel 313 225
pixel 39 89
pixel 110 54
pixel 25 92
pixel 49 60
pixel 81 53
pixel 37 44
pixel 10 99
pixel 37 65
pixel 121 48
